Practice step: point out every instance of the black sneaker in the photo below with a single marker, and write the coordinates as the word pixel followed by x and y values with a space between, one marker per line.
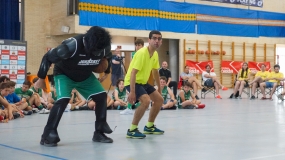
pixel 27 112
pixel 204 89
pixel 84 108
pixel 190 107
pixel 47 144
pixel 16 115
pixel 101 137
pixel 252 97
pixel 197 97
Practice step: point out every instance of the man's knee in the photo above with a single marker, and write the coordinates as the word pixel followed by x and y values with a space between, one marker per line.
pixel 145 100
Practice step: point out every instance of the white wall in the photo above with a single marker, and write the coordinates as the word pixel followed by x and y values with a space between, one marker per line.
pixel 280 51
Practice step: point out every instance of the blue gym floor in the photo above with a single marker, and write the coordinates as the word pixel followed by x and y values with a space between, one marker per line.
pixel 227 129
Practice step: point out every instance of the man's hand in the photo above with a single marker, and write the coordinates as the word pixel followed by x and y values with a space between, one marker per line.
pixel 40 83
pixel 132 98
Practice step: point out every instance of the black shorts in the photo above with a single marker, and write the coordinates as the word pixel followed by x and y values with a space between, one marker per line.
pixel 142 89
pixel 209 83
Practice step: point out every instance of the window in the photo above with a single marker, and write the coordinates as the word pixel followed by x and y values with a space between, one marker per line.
pixel 72 7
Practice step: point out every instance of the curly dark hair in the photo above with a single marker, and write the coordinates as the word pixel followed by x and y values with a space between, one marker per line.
pixel 118 81
pixel 97 38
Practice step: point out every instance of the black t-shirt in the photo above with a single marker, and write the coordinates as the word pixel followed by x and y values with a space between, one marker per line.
pixel 116 68
pixel 80 65
pixel 165 72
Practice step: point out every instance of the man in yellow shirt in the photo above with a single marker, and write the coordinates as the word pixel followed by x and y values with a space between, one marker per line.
pixel 271 81
pixel 143 63
pixel 260 76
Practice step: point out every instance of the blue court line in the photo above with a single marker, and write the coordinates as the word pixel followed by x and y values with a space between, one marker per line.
pixel 19 149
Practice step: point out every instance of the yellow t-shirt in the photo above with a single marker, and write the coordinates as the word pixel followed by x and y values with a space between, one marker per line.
pixel 144 64
pixel 245 75
pixel 262 75
pixel 275 75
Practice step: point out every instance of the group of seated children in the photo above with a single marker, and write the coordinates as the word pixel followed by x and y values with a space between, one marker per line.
pixel 25 100
pixel 262 80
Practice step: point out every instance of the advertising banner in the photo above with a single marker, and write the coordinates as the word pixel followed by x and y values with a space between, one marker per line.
pixel 198 67
pixel 13 60
pixel 231 66
pixel 256 66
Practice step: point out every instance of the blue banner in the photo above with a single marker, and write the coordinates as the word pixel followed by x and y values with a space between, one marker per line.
pixel 271 24
pixel 186 22
pixel 181 17
pixel 138 15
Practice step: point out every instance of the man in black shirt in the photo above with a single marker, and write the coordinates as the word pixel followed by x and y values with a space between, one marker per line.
pixel 163 71
pixel 75 59
pixel 116 67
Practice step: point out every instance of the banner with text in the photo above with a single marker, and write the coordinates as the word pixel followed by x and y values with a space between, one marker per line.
pixel 256 66
pixel 253 3
pixel 198 67
pixel 13 60
pixel 231 66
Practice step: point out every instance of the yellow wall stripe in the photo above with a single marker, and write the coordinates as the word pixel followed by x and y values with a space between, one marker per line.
pixel 135 12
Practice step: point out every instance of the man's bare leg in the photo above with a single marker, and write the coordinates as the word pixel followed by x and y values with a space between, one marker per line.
pixel 195 88
pixel 253 89
pixel 217 87
pixel 158 101
pixel 145 101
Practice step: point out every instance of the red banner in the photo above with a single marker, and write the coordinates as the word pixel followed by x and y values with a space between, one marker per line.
pixel 231 66
pixel 256 66
pixel 199 67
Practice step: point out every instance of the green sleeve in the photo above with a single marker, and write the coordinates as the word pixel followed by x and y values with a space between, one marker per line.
pixel 30 93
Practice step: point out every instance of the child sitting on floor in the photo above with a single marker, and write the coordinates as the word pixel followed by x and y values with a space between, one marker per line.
pixel 184 98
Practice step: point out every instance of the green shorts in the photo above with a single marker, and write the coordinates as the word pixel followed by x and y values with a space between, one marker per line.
pixel 64 85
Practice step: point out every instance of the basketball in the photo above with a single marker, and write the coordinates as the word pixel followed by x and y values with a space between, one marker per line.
pixel 103 65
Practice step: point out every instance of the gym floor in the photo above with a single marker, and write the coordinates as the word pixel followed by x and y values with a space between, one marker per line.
pixel 226 129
